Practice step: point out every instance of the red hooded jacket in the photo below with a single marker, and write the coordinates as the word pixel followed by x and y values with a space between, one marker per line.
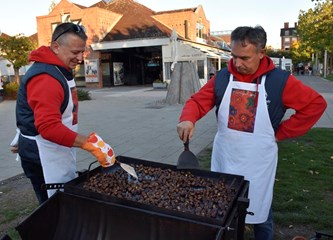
pixel 307 103
pixel 45 96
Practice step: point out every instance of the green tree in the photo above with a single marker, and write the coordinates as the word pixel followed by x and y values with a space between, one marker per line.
pixel 315 27
pixel 16 50
pixel 300 53
pixel 277 53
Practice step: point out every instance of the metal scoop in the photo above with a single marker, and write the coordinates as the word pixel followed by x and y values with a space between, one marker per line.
pixel 187 159
pixel 129 169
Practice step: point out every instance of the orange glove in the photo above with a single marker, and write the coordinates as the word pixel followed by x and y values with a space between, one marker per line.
pixel 101 150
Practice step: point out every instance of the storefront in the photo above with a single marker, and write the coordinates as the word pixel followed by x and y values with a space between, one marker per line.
pixel 131 62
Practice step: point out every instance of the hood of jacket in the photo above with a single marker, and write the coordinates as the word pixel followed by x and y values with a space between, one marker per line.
pixel 266 65
pixel 44 54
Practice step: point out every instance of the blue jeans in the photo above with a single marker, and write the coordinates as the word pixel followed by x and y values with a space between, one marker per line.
pixel 264 231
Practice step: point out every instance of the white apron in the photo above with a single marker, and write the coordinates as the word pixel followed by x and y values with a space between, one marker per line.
pixel 247 149
pixel 59 162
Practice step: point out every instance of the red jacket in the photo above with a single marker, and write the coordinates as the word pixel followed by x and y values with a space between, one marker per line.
pixel 307 103
pixel 45 96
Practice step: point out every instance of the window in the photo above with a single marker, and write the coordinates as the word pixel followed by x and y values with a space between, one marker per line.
pixel 54 25
pixel 66 17
pixel 200 28
pixel 79 70
pixel 286 32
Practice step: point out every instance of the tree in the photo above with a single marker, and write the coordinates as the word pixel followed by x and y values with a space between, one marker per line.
pixel 16 50
pixel 300 53
pixel 315 27
pixel 278 53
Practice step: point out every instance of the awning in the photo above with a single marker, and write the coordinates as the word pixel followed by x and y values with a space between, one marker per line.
pixel 212 52
pixel 130 44
pixel 183 50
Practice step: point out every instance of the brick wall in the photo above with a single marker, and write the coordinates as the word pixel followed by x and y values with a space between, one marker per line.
pixel 97 22
pixel 176 20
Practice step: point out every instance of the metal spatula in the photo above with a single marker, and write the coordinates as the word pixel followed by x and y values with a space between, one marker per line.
pixel 187 159
pixel 129 169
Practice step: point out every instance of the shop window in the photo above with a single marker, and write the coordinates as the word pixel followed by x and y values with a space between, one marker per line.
pixel 79 70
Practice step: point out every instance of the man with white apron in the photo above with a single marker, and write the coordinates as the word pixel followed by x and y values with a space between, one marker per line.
pixel 255 154
pixel 59 162
pixel 251 97
pixel 47 113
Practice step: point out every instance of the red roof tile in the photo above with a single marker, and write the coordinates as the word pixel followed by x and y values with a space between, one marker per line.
pixel 178 10
pixel 4 35
pixel 79 6
pixel 34 37
pixel 137 21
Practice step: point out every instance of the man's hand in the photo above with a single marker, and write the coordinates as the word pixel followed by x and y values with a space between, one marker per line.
pixel 185 130
pixel 14 148
pixel 101 150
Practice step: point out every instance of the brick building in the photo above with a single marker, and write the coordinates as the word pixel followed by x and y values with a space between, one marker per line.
pixel 288 36
pixel 131 44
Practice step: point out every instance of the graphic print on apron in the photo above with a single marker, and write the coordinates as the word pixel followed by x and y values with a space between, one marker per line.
pixel 242 110
pixel 75 110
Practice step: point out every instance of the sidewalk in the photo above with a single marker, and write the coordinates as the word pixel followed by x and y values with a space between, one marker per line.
pixel 136 124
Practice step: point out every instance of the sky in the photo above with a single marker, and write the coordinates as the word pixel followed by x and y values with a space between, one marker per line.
pixel 20 16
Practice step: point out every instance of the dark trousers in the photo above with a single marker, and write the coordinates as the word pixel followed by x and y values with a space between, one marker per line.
pixel 34 172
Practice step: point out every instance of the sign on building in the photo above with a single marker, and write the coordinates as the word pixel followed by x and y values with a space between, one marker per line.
pixel 91 70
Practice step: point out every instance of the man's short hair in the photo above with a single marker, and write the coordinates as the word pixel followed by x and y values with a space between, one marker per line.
pixel 65 28
pixel 254 35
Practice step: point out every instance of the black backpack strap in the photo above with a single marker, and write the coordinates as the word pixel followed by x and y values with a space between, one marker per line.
pixel 220 86
pixel 56 72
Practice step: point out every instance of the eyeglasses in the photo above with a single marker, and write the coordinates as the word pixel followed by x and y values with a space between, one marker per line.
pixel 75 28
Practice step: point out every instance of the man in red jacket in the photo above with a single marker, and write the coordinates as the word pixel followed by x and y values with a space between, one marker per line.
pixel 251 97
pixel 47 113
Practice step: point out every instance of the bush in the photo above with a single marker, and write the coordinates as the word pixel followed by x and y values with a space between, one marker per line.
pixel 83 94
pixel 10 90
